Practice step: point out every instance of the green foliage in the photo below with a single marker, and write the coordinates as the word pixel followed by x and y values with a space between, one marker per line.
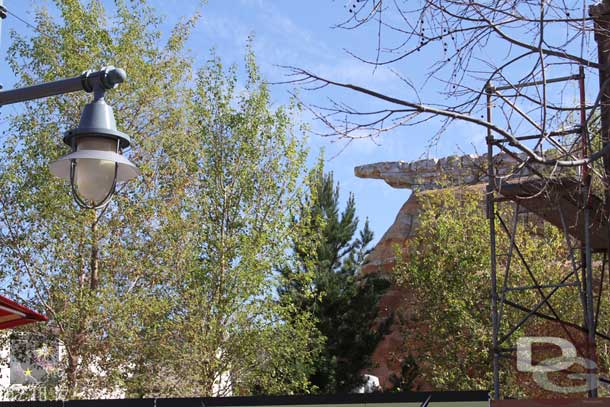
pixel 240 172
pixel 91 273
pixel 169 290
pixel 326 283
pixel 447 269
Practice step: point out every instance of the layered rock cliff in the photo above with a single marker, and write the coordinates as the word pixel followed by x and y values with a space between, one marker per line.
pixel 423 176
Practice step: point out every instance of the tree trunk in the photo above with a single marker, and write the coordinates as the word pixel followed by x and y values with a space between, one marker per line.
pixel 94 257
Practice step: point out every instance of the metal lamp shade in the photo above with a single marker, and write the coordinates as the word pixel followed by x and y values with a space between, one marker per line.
pixel 96 164
pixel 93 175
pixel 126 169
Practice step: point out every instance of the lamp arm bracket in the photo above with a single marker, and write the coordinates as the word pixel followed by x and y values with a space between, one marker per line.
pixel 106 78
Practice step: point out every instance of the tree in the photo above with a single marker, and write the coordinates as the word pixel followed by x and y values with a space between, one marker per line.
pixel 166 291
pixel 446 267
pixel 470 45
pixel 92 273
pixel 326 282
pixel 531 74
pixel 241 167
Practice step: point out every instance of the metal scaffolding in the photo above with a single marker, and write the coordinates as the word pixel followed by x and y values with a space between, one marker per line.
pixel 564 200
pixel 576 202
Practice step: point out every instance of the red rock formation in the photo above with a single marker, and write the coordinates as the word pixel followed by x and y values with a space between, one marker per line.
pixel 389 354
pixel 399 303
pixel 426 176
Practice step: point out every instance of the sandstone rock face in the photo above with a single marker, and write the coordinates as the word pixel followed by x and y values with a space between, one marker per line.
pixel 424 176
pixel 389 354
pixel 383 255
pixel 435 173
pixel 400 305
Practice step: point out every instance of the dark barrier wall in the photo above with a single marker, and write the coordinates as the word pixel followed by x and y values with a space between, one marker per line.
pixel 462 398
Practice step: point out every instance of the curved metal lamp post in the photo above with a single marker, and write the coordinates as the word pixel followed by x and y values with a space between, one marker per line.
pixel 96 164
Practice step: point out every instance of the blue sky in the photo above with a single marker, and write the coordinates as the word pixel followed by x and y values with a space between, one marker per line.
pixel 301 34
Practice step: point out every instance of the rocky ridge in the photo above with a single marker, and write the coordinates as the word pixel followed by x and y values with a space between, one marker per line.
pixel 422 176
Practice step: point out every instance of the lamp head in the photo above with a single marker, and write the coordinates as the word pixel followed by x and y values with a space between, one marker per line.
pixel 96 164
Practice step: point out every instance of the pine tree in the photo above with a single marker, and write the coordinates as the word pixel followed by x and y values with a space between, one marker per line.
pixel 327 283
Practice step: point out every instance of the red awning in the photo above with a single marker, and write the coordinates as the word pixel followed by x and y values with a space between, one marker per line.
pixel 13 314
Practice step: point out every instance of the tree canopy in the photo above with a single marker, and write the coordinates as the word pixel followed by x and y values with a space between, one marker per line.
pixel 168 291
pixel 326 282
pixel 447 269
pixel 461 49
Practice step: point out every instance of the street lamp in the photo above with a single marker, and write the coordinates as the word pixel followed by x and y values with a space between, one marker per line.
pixel 95 165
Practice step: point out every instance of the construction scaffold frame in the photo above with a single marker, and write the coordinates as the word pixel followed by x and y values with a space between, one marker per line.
pixel 566 202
